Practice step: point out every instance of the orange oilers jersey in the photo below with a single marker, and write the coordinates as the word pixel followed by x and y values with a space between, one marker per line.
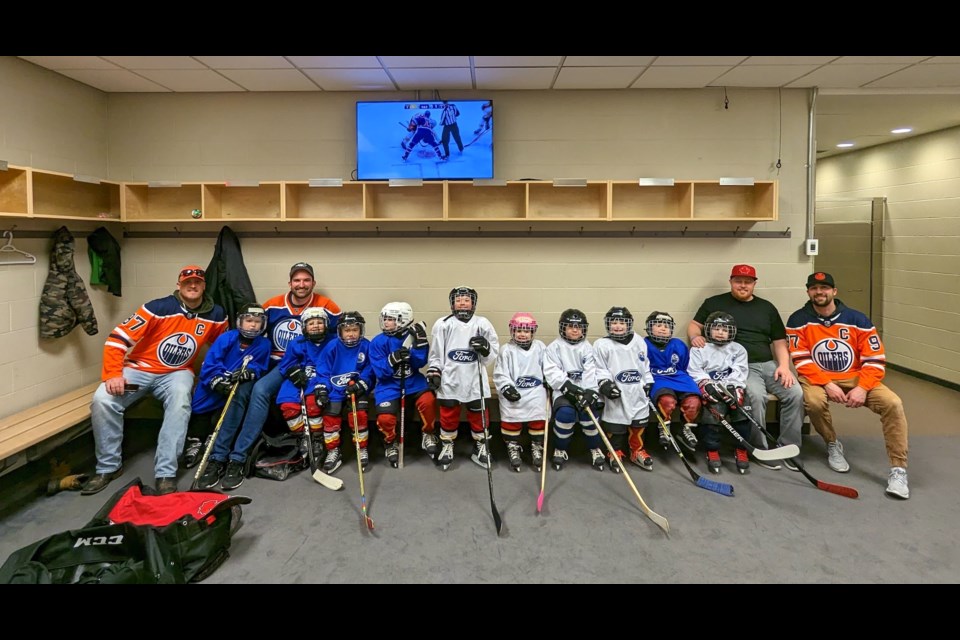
pixel 160 337
pixel 843 346
pixel 283 320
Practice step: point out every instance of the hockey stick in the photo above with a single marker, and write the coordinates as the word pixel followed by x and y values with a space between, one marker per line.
pixel 779 453
pixel 367 520
pixel 317 473
pixel 407 342
pixel 543 463
pixel 704 483
pixel 658 519
pixel 213 439
pixel 839 489
pixel 486 437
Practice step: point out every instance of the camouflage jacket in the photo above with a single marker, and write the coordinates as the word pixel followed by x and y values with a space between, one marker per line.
pixel 64 302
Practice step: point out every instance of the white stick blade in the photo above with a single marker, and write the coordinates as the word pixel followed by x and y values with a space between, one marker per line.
pixel 328 481
pixel 789 451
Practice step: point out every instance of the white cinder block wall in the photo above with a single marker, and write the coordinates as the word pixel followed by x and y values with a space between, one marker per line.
pixel 600 135
pixel 920 177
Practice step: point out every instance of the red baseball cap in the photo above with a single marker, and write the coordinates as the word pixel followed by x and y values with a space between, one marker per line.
pixel 743 271
pixel 192 271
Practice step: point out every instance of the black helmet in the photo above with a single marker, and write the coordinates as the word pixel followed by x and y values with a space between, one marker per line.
pixel 618 313
pixel 463 315
pixel 659 317
pixel 316 336
pixel 720 319
pixel 573 317
pixel 251 311
pixel 349 319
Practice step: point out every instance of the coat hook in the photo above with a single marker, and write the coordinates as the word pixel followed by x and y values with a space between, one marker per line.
pixel 276 230
pixel 632 229
pixel 327 229
pixel 787 232
pixel 684 232
pixel 530 230
pixel 177 230
pixel 737 230
pixel 378 230
pixel 581 230
pixel 428 229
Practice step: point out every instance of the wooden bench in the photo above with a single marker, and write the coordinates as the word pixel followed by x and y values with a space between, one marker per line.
pixel 20 431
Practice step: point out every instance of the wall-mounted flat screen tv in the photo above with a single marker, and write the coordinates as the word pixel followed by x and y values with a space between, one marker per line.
pixel 426 139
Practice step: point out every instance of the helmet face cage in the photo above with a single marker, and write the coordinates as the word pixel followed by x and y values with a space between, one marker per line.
pixel 314 313
pixel 621 314
pixel 522 322
pixel 351 319
pixel 463 314
pixel 573 318
pixel 400 312
pixel 716 320
pixel 660 318
pixel 252 312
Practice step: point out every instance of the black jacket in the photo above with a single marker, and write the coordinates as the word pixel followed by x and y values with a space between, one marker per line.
pixel 227 280
pixel 106 266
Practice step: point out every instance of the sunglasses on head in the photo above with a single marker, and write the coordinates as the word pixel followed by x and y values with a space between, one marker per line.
pixel 186 273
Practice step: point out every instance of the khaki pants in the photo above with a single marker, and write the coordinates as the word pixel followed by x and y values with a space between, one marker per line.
pixel 881 400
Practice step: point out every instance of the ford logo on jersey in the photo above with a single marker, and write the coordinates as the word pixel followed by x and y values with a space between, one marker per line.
pixel 832 355
pixel 723 374
pixel 286 332
pixel 669 371
pixel 462 355
pixel 575 376
pixel 528 382
pixel 630 376
pixel 343 379
pixel 176 350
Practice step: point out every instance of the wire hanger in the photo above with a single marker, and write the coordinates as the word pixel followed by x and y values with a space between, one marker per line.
pixel 9 254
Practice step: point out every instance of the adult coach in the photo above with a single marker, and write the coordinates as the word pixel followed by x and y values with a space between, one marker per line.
pixel 841 359
pixel 761 332
pixel 154 349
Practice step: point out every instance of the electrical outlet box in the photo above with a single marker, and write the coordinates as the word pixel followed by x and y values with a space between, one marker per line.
pixel 813 246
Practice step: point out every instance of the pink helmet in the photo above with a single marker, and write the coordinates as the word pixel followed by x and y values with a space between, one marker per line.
pixel 522 320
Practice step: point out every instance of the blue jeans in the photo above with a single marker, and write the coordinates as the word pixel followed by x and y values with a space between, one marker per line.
pixel 760 382
pixel 225 446
pixel 262 397
pixel 174 390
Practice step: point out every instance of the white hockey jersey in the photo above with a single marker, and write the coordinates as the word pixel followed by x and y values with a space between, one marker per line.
pixel 628 366
pixel 719 363
pixel 524 370
pixel 563 361
pixel 457 362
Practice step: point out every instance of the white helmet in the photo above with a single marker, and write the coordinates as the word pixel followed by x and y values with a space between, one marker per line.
pixel 313 313
pixel 399 311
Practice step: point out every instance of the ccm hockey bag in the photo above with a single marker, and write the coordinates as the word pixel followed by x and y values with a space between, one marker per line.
pixel 136 538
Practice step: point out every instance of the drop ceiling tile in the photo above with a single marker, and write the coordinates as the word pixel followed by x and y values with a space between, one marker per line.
pixel 780 60
pixel 516 61
pixel 190 80
pixel 114 80
pixel 698 61
pixel 677 77
pixel 845 76
pixel 423 62
pixel 763 76
pixel 271 79
pixel 335 62
pixel 880 59
pixel 59 63
pixel 596 77
pixel 921 76
pixel 351 79
pixel 155 62
pixel 425 79
pixel 942 60
pixel 514 78
pixel 244 62
pixel 607 61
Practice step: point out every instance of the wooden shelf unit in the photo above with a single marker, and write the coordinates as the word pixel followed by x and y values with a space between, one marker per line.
pixel 15 197
pixel 63 197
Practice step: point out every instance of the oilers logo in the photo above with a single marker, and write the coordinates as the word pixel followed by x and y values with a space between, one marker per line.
pixel 361 358
pixel 462 355
pixel 528 382
pixel 642 357
pixel 630 376
pixel 177 350
pixel 286 332
pixel 832 355
pixel 575 376
pixel 343 379
pixel 674 359
pixel 722 374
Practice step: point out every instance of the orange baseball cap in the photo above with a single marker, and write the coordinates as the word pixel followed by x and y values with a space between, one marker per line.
pixel 192 271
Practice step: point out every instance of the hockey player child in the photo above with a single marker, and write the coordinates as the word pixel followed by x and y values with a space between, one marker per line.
pixel 570 370
pixel 299 370
pixel 458 341
pixel 222 369
pixel 400 351
pixel 623 374
pixel 669 358
pixel 518 375
pixel 720 370
pixel 344 374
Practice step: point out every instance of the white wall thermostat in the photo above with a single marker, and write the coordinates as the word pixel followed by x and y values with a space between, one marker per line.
pixel 813 246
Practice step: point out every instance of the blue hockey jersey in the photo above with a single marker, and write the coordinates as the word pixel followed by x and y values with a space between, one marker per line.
pixel 225 355
pixel 301 353
pixel 388 380
pixel 669 363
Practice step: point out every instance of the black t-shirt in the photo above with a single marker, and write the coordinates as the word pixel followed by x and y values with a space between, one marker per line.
pixel 758 323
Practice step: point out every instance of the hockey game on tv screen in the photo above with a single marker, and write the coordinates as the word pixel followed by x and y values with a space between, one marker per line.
pixel 426 139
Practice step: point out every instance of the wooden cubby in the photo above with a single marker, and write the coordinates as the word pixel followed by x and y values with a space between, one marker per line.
pixel 26 192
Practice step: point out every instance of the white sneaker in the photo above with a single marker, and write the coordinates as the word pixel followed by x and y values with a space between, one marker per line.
pixel 897 484
pixel 835 457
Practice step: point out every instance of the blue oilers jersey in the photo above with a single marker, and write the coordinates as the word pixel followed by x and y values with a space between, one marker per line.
pixel 305 354
pixel 388 380
pixel 669 363
pixel 224 356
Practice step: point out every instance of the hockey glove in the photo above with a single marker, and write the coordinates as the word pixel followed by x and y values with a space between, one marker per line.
pixel 735 396
pixel 481 345
pixel 610 389
pixel 590 398
pixel 511 393
pixel 711 391
pixel 298 376
pixel 244 375
pixel 646 389
pixel 418 331
pixel 399 358
pixel 221 384
pixel 358 388
pixel 322 395
pixel 572 392
pixel 433 379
